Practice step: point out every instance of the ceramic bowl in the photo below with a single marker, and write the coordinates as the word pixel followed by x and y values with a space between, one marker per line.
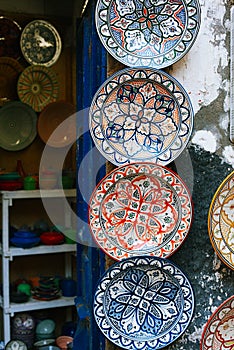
pixel 52 238
pixel 43 342
pixel 23 242
pixel 63 341
pixel 46 326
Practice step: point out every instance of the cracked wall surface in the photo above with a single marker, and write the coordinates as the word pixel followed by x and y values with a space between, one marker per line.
pixel 205 74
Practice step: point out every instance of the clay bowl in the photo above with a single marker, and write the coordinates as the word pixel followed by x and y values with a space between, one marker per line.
pixel 63 341
pixel 52 238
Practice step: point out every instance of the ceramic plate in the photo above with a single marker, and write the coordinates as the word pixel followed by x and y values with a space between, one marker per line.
pixel 38 86
pixel 147 33
pixel 140 209
pixel 16 344
pixel 19 122
pixel 40 43
pixel 10 70
pixel 10 32
pixel 221 221
pixel 54 125
pixel 143 303
pixel 218 331
pixel 141 115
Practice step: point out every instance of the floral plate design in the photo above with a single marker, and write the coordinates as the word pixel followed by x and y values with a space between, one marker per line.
pixel 219 329
pixel 40 43
pixel 143 303
pixel 221 221
pixel 147 33
pixel 141 115
pixel 37 87
pixel 140 209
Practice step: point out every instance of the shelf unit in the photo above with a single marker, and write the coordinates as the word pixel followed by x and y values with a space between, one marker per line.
pixel 8 253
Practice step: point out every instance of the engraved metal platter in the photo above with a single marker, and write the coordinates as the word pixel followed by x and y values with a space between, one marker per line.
pixel 141 115
pixel 148 33
pixel 221 221
pixel 40 43
pixel 218 333
pixel 140 209
pixel 143 303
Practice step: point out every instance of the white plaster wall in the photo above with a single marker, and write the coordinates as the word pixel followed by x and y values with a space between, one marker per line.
pixel 201 72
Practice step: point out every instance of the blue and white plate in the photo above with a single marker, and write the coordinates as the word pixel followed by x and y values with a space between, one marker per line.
pixel 148 33
pixel 143 303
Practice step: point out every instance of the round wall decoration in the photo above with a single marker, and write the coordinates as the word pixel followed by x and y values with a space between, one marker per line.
pixel 143 303
pixel 147 33
pixel 141 115
pixel 38 86
pixel 40 43
pixel 140 209
pixel 221 221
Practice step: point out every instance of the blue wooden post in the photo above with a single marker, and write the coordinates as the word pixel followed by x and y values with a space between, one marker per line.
pixel 91 73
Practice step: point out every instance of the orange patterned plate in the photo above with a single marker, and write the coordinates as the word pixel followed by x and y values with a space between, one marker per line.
pixel 221 221
pixel 141 115
pixel 37 87
pixel 140 209
pixel 218 333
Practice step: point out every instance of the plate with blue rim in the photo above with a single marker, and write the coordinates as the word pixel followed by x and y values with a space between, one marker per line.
pixel 148 33
pixel 143 303
pixel 140 115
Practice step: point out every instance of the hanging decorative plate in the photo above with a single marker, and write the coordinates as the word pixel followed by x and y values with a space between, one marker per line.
pixel 18 126
pixel 10 32
pixel 140 209
pixel 10 70
pixel 221 221
pixel 40 43
pixel 147 33
pixel 219 330
pixel 55 127
pixel 143 303
pixel 38 86
pixel 141 115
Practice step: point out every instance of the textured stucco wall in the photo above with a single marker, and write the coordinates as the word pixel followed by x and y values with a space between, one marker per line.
pixel 205 74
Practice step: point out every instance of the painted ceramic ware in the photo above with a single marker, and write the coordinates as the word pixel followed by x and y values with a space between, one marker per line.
pixel 10 70
pixel 10 32
pixel 140 209
pixel 18 126
pixel 141 115
pixel 40 43
pixel 147 33
pixel 218 333
pixel 221 221
pixel 143 303
pixel 37 87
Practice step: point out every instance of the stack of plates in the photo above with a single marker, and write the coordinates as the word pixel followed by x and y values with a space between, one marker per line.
pixel 25 239
pixel 10 181
pixel 47 290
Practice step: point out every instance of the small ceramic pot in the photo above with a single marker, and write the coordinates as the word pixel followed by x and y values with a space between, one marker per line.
pixel 68 287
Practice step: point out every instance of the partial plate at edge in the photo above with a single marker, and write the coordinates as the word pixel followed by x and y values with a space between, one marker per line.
pixel 220 221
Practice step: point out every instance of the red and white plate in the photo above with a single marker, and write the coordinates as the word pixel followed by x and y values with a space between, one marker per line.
pixel 140 209
pixel 218 333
